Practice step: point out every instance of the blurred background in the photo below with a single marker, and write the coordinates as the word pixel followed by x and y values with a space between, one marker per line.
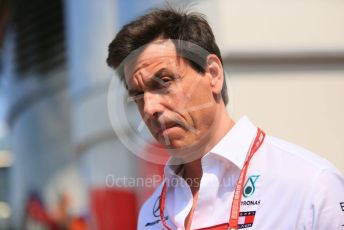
pixel 59 154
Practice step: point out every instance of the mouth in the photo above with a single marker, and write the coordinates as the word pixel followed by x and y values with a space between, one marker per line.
pixel 165 128
pixel 167 134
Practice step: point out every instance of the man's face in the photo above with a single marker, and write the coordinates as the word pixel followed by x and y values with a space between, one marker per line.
pixel 175 101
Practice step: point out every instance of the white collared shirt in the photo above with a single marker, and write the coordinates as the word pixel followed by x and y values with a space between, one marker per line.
pixel 286 187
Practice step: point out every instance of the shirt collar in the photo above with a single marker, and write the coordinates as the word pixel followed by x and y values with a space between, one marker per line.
pixel 236 143
pixel 232 147
pixel 172 168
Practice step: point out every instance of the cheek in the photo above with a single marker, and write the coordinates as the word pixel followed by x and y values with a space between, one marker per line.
pixel 199 108
pixel 202 106
pixel 203 118
pixel 200 96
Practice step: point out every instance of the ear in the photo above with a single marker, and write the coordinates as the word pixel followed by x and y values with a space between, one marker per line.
pixel 215 71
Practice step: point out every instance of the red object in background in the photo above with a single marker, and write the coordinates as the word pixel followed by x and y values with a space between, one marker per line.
pixel 118 208
pixel 113 209
pixel 78 224
pixel 36 212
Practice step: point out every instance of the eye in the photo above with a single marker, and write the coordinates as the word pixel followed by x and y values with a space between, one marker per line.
pixel 166 80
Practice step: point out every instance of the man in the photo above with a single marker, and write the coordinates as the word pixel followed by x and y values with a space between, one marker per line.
pixel 220 174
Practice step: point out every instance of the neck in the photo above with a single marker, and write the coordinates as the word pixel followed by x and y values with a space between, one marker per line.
pixel 193 169
pixel 193 174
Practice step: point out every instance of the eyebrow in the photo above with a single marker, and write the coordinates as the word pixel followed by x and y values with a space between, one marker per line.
pixel 152 82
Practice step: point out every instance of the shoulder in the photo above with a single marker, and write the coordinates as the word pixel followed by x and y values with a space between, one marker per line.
pixel 307 180
pixel 298 169
pixel 294 154
pixel 149 215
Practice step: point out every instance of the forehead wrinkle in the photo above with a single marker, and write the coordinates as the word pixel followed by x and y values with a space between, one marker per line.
pixel 140 60
pixel 143 72
pixel 149 82
pixel 142 65
pixel 151 63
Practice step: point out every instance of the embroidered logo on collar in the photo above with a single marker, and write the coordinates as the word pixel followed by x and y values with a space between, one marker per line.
pixel 156 213
pixel 249 187
pixel 156 208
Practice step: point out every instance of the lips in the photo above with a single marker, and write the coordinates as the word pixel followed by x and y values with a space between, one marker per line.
pixel 162 125
pixel 166 127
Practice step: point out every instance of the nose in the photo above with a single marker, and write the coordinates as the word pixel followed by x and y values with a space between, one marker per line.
pixel 152 104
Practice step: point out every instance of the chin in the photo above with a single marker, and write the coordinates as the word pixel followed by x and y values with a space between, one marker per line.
pixel 178 145
pixel 184 152
pixel 172 143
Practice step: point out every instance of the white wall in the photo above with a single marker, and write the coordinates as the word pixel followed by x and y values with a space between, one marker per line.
pixel 285 61
pixel 305 108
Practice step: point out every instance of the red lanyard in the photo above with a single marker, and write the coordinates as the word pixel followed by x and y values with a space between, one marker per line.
pixel 235 210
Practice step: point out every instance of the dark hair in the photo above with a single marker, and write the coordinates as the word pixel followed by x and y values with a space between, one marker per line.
pixel 170 24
